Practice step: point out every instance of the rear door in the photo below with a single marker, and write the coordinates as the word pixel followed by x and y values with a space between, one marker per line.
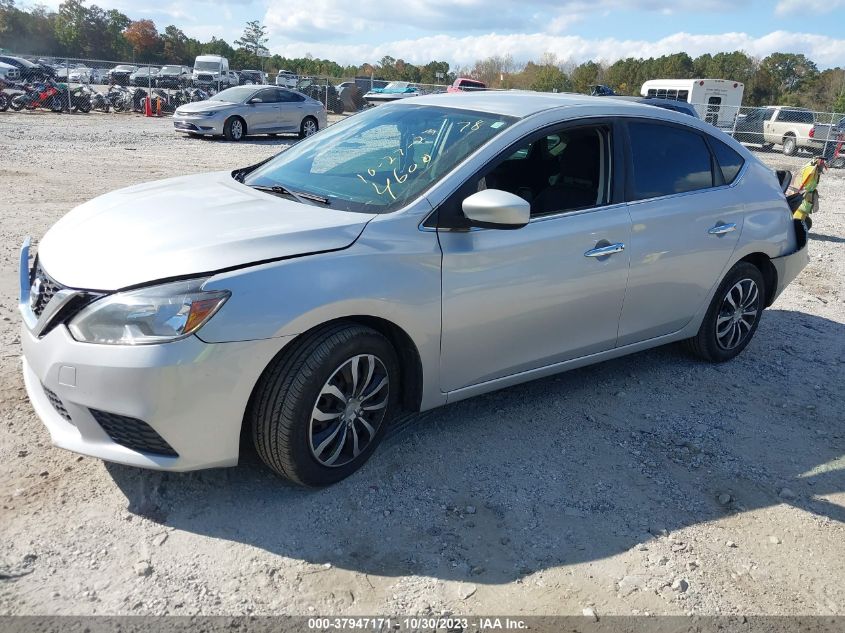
pixel 291 111
pixel 686 221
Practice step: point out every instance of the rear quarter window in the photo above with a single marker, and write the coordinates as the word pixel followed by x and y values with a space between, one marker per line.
pixel 667 160
pixel 729 161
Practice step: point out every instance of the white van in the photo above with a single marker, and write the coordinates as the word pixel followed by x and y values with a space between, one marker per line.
pixel 211 70
pixel 716 100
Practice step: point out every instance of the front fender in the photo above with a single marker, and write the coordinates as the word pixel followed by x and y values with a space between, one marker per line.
pixel 391 272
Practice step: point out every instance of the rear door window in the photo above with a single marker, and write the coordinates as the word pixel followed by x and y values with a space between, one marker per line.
pixel 666 160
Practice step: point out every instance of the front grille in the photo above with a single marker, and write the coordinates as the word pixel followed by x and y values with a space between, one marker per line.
pixel 47 287
pixel 205 77
pixel 57 403
pixel 133 433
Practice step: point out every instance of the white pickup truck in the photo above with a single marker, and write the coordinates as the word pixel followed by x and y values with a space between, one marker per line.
pixel 791 128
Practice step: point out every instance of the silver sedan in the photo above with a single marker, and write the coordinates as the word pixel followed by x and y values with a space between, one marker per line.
pixel 408 257
pixel 243 110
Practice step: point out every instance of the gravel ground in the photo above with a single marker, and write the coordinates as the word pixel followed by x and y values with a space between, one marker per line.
pixel 650 484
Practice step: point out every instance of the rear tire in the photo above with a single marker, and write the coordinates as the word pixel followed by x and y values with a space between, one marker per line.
pixel 307 411
pixel 234 129
pixel 16 104
pixel 4 102
pixel 733 315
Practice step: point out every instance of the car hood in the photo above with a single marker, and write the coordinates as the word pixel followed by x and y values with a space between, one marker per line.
pixel 204 106
pixel 185 226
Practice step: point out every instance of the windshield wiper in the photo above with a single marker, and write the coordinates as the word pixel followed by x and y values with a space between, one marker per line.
pixel 300 197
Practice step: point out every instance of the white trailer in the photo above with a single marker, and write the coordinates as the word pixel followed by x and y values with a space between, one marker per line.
pixel 716 100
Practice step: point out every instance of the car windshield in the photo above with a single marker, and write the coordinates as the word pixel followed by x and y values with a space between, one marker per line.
pixel 207 66
pixel 234 95
pixel 124 68
pixel 382 159
pixel 171 69
pixel 396 85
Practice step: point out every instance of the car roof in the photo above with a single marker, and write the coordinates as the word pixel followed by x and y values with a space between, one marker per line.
pixel 655 101
pixel 523 103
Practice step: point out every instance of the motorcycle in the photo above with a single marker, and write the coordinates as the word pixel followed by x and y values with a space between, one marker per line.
pixel 99 101
pixel 39 95
pixel 80 99
pixel 198 94
pixel 5 97
pixel 120 98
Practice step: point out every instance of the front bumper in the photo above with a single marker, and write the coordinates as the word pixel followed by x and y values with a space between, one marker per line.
pixel 192 394
pixel 172 406
pixel 199 124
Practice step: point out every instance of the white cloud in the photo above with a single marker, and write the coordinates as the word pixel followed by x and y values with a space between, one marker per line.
pixel 462 51
pixel 329 20
pixel 808 7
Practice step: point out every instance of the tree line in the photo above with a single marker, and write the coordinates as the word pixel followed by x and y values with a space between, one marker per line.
pixel 89 32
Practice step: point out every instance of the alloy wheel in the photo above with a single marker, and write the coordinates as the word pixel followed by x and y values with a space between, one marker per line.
pixel 349 410
pixel 309 127
pixel 237 130
pixel 737 314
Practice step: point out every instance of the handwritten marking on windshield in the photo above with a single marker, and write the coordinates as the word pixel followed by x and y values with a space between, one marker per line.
pixel 400 177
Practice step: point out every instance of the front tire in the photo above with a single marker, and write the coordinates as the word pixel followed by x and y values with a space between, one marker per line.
pixel 308 127
pixel 733 315
pixel 321 408
pixel 234 129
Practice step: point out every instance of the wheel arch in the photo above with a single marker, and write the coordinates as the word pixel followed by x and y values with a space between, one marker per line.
pixel 231 117
pixel 410 363
pixel 770 276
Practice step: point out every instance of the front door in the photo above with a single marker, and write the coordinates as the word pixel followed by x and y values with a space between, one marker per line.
pixel 265 115
pixel 521 299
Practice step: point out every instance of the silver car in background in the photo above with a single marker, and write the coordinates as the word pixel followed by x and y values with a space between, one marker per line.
pixel 410 256
pixel 236 112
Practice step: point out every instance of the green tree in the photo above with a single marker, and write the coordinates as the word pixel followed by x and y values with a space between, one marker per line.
pixel 175 45
pixel 584 76
pixel 790 71
pixel 254 40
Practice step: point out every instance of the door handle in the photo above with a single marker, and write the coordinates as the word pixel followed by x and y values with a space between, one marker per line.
pixel 721 229
pixel 604 251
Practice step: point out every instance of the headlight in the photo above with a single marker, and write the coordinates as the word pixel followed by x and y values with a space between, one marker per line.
pixel 157 314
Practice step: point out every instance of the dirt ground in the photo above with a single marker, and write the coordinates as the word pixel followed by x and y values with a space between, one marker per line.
pixel 650 484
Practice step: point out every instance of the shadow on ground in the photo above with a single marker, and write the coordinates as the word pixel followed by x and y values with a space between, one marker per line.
pixel 572 468
pixel 282 141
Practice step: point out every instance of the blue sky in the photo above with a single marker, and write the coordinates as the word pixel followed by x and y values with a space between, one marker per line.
pixel 461 31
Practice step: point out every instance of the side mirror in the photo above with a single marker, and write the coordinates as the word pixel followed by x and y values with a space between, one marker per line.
pixel 255 100
pixel 496 209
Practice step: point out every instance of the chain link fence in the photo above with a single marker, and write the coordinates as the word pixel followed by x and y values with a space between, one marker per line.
pixel 84 85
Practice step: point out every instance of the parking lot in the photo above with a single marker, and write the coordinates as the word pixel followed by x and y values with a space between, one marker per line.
pixel 654 483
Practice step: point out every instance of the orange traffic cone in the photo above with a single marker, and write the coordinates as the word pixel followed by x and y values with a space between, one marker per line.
pixel 148 110
pixel 158 106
